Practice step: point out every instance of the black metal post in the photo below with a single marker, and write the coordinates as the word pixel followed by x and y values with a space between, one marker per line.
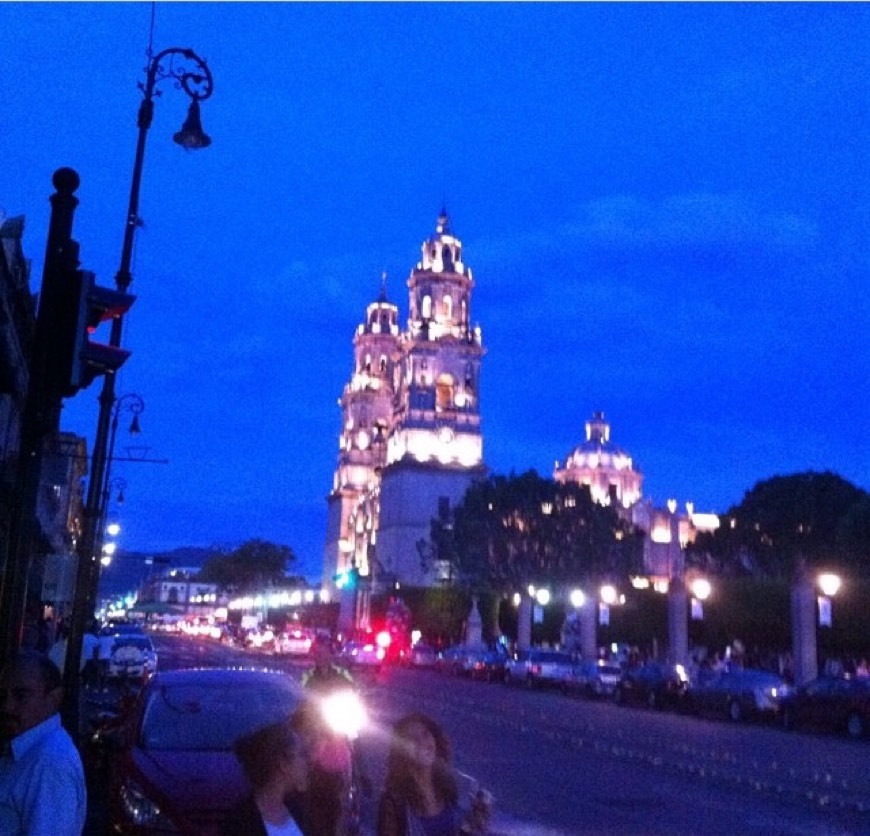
pixel 41 411
pixel 136 405
pixel 196 81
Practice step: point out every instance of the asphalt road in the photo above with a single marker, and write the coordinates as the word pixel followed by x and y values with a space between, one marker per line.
pixel 563 765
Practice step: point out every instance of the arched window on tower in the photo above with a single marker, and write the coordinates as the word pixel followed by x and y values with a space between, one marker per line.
pixel 448 306
pixel 383 363
pixel 368 363
pixel 426 307
pixel 447 259
pixel 444 389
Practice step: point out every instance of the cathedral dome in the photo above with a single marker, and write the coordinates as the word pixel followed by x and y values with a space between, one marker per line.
pixel 606 469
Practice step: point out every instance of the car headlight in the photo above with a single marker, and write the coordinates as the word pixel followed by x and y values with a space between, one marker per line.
pixel 142 811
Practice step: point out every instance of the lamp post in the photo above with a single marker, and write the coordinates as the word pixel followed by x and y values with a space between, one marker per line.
pixel 107 548
pixel 132 403
pixel 191 74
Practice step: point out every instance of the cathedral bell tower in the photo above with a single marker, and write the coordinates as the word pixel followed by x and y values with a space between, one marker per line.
pixel 411 441
pixel 366 416
pixel 435 447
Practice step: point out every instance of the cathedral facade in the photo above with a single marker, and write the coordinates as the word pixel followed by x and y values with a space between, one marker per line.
pixel 411 441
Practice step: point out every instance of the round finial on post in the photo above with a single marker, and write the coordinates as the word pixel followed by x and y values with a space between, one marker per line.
pixel 66 180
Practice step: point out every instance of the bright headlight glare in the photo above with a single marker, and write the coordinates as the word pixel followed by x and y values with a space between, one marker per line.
pixel 344 713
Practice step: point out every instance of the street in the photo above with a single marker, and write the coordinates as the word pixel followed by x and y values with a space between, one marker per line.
pixel 559 764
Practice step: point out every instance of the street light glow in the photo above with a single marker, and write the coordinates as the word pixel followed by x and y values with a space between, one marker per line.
pixel 608 594
pixel 113 529
pixel 829 583
pixel 542 596
pixel 701 588
pixel 578 598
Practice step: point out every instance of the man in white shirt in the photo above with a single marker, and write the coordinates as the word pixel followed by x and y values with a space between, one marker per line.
pixel 42 783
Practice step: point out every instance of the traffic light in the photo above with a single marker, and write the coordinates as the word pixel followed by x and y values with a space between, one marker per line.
pixel 77 360
pixel 347 579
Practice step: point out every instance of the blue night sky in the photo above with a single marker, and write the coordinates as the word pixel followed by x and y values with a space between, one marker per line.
pixel 666 209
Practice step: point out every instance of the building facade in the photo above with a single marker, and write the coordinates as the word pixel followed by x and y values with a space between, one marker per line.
pixel 612 479
pixel 411 440
pixel 603 467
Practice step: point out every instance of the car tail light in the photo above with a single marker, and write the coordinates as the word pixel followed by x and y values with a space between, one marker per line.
pixel 535 669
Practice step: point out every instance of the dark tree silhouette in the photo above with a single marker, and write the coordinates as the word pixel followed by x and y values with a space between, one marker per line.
pixel 510 531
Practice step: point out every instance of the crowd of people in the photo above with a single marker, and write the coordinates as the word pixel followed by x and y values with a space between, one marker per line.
pixel 297 770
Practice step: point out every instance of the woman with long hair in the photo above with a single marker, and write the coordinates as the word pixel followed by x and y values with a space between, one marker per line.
pixel 421 795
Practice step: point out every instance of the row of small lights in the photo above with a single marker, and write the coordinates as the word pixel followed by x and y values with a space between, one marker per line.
pixel 279 599
pixel 700 588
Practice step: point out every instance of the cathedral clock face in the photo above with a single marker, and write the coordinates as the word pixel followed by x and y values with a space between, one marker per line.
pixel 445 435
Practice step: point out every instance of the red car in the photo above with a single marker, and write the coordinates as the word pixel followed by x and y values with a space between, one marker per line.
pixel 829 703
pixel 174 769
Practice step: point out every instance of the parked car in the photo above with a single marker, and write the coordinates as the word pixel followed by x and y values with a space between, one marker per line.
pixel 829 703
pixel 654 684
pixel 294 643
pixel 174 770
pixel 422 656
pixel 739 694
pixel 488 664
pixel 455 660
pixel 537 667
pixel 595 677
pixel 133 657
pixel 367 654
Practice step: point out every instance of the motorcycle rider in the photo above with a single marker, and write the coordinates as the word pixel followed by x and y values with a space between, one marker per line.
pixel 334 758
pixel 326 676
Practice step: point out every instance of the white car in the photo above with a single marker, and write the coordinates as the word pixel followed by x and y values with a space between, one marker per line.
pixel 294 643
pixel 133 657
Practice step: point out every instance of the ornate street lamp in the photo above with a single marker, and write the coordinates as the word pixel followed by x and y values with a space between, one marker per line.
pixel 189 73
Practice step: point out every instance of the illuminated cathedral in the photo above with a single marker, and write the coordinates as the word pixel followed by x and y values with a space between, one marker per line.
pixel 410 441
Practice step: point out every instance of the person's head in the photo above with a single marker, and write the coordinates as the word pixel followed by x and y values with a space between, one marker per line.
pixel 30 692
pixel 420 747
pixel 274 752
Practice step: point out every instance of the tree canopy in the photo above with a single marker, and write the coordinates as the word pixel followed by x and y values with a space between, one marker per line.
pixel 819 517
pixel 255 563
pixel 511 531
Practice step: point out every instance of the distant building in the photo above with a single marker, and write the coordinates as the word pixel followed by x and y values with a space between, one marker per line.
pixel 612 479
pixel 411 440
pixel 180 591
pixel 603 467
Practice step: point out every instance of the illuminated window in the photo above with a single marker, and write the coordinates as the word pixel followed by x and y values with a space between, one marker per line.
pixel 444 392
pixel 448 307
pixel 426 308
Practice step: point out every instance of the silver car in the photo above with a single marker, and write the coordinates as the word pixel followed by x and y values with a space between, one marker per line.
pixel 596 678
pixel 538 667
